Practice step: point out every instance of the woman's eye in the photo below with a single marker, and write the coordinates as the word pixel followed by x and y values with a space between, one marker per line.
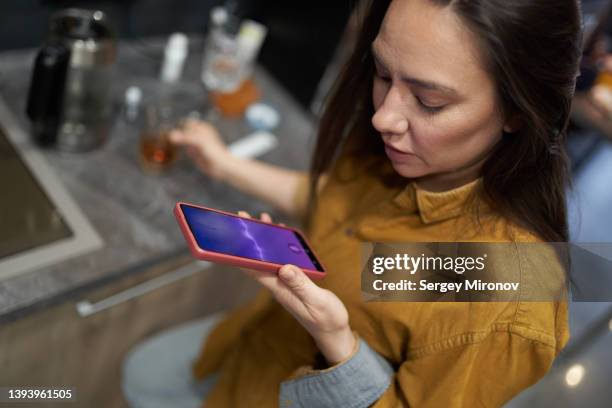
pixel 429 108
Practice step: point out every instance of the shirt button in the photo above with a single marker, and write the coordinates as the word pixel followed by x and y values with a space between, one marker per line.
pixel 287 403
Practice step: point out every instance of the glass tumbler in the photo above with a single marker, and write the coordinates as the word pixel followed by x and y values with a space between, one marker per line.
pixel 157 153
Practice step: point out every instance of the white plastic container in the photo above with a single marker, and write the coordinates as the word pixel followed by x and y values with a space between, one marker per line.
pixel 175 54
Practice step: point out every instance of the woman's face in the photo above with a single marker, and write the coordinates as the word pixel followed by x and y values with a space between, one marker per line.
pixel 435 105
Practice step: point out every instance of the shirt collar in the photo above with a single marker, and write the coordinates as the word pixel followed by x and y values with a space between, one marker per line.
pixel 431 206
pixel 436 206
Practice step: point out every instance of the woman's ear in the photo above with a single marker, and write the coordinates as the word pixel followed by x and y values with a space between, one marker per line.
pixel 513 124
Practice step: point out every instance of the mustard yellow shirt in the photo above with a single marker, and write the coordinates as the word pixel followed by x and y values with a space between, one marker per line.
pixel 445 354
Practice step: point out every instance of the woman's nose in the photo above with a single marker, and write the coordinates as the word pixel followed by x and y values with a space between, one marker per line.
pixel 388 119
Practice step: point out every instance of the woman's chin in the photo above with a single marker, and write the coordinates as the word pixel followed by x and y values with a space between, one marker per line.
pixel 409 170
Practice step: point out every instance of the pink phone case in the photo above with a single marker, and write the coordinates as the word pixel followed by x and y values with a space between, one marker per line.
pixel 240 262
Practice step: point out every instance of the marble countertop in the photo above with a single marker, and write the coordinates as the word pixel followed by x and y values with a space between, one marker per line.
pixel 131 210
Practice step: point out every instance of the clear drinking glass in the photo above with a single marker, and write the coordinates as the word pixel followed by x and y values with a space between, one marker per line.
pixel 156 151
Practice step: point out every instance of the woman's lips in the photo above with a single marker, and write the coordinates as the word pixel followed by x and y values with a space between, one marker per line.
pixel 397 155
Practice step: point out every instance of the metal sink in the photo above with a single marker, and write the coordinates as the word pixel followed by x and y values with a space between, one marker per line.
pixel 40 224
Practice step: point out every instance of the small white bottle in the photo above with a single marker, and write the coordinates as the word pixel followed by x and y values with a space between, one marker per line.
pixel 174 58
pixel 133 98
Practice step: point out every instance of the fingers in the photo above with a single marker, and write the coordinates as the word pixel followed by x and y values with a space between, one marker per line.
pixel 297 281
pixel 181 137
pixel 289 278
pixel 189 131
pixel 177 137
pixel 271 282
pixel 292 289
pixel 264 216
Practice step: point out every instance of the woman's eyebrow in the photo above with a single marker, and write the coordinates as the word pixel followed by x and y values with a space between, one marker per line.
pixel 415 81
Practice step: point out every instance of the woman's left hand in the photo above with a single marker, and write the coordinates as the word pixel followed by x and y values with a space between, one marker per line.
pixel 318 310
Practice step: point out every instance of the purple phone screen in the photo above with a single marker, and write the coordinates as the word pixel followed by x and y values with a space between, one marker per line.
pixel 237 236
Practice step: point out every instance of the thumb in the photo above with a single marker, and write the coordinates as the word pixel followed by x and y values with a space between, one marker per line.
pixel 297 281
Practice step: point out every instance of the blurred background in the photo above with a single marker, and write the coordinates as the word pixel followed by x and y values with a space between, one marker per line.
pixel 91 259
pixel 301 41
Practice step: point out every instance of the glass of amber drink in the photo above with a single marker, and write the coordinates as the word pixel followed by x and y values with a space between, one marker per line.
pixel 156 151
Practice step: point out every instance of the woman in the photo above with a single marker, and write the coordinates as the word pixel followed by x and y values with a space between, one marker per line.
pixel 447 124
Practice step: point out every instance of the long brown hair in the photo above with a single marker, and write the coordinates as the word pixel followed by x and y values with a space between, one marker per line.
pixel 532 50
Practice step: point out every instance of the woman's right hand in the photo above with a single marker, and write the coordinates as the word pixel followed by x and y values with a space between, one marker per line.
pixel 204 146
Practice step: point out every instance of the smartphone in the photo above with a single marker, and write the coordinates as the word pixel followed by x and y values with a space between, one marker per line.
pixel 222 237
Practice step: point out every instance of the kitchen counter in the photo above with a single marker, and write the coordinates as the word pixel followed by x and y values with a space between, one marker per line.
pixel 131 210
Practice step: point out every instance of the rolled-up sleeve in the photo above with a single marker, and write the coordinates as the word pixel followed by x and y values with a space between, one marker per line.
pixel 472 369
pixel 356 382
